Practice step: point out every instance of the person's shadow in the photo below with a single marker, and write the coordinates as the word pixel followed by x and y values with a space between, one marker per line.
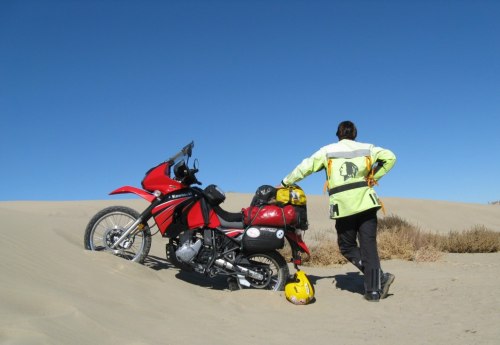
pixel 351 281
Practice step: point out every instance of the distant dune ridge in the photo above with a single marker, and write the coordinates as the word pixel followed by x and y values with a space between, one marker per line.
pixel 429 215
pixel 55 292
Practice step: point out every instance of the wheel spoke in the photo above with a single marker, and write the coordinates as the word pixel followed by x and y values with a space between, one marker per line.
pixel 111 226
pixel 273 268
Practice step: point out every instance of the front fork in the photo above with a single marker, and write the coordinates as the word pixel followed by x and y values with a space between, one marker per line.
pixel 138 225
pixel 134 229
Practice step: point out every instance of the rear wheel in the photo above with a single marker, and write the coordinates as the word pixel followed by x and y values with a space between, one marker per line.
pixel 108 225
pixel 272 266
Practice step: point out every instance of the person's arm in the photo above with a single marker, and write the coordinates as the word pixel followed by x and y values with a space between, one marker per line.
pixel 309 165
pixel 385 161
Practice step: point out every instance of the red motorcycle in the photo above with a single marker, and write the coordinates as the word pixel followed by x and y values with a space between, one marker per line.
pixel 202 236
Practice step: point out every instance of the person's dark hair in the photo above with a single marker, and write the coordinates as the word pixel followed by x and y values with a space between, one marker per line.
pixel 347 130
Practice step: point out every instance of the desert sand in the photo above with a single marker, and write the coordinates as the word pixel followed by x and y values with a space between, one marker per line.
pixel 55 292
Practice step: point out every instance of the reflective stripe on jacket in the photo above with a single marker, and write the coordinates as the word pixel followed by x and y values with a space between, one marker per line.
pixel 348 161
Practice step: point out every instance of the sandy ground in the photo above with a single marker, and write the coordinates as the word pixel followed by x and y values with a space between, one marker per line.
pixel 55 292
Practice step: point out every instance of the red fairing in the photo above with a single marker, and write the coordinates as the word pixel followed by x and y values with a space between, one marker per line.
pixel 213 220
pixel 158 179
pixel 163 215
pixel 195 218
pixel 233 233
pixel 128 189
pixel 270 215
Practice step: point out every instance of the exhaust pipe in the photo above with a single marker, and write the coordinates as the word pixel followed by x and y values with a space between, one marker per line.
pixel 229 266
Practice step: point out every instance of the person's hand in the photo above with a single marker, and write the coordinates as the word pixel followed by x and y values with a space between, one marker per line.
pixel 280 185
pixel 371 181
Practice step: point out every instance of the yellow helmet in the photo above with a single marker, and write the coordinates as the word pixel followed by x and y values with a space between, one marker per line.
pixel 299 290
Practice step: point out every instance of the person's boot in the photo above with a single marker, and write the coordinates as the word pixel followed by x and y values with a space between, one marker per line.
pixel 372 296
pixel 386 281
pixel 373 284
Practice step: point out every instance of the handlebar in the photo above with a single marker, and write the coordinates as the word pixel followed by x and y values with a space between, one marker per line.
pixel 187 176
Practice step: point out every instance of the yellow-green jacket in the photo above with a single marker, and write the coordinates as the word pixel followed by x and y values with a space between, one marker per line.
pixel 352 168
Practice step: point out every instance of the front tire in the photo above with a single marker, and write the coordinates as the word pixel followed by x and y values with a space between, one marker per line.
pixel 108 225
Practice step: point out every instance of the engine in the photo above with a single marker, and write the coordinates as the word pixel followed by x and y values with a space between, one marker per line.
pixel 197 248
pixel 188 250
pixel 200 250
pixel 212 253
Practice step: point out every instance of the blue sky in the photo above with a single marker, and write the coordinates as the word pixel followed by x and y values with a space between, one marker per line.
pixel 94 93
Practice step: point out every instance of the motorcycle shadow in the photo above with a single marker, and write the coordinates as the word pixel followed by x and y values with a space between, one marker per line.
pixel 215 283
pixel 156 263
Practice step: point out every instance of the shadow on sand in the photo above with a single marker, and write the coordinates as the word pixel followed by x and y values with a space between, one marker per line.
pixel 156 263
pixel 217 283
pixel 351 281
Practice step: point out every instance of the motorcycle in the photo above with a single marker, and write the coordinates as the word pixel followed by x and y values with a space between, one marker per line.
pixel 202 237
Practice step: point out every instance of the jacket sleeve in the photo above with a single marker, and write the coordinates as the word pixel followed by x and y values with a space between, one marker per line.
pixel 385 159
pixel 309 165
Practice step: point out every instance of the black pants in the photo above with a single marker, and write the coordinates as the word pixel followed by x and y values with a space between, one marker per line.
pixel 362 227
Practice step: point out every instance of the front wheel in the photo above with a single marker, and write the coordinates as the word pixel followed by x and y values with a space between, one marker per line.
pixel 108 225
pixel 272 266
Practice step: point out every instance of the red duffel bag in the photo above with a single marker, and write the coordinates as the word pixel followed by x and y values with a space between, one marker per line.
pixel 270 215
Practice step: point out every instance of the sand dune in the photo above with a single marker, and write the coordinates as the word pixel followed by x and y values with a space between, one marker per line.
pixel 55 292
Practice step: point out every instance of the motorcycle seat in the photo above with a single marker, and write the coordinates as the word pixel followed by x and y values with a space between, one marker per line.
pixel 230 220
pixel 228 225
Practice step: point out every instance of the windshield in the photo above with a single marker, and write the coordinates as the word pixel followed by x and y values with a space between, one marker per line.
pixel 183 154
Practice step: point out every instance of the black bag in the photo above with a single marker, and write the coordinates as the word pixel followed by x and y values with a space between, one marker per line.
pixel 264 195
pixel 267 195
pixel 302 222
pixel 214 195
pixel 262 239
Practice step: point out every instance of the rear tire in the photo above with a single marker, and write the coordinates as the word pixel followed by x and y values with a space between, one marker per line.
pixel 275 268
pixel 108 225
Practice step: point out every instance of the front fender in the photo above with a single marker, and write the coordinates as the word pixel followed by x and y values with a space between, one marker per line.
pixel 137 191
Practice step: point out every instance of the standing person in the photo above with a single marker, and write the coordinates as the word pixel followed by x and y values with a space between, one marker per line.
pixel 352 168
